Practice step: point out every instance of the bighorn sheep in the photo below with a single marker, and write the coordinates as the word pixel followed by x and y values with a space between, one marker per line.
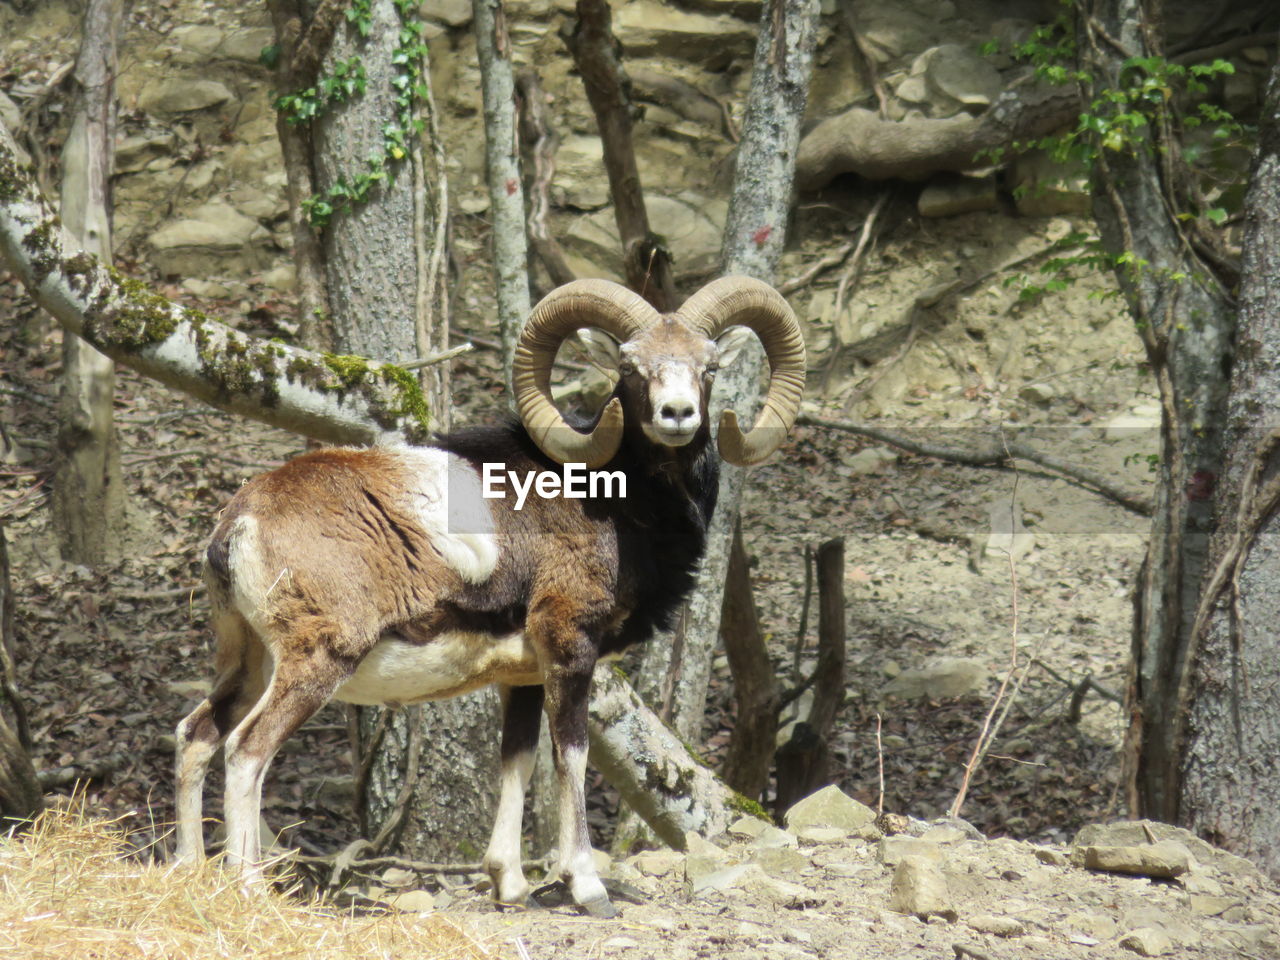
pixel 383 576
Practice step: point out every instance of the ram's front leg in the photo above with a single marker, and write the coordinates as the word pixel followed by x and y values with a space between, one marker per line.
pixel 569 661
pixel 521 717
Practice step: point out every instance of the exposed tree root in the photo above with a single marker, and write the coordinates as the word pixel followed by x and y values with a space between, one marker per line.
pixel 859 141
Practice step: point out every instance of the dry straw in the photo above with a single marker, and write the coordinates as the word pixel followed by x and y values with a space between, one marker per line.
pixel 70 890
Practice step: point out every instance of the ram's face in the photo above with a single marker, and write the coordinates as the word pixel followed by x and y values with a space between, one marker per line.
pixel 665 375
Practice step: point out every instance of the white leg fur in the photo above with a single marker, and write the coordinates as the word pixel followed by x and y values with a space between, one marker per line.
pixel 502 860
pixel 192 765
pixel 576 867
pixel 243 803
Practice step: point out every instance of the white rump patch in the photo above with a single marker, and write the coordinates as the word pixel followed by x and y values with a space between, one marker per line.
pixel 252 583
pixel 396 671
pixel 444 492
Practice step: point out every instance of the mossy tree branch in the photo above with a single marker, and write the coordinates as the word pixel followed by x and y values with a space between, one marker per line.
pixel 330 398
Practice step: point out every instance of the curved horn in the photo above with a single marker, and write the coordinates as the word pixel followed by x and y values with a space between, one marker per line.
pixel 748 302
pixel 582 303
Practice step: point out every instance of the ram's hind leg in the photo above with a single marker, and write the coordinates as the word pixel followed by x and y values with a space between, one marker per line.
pixel 238 683
pixel 521 717
pixel 305 676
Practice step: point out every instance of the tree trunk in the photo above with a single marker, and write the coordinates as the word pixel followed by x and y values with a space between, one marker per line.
pixel 754 235
pixel 19 789
pixel 88 495
pixel 1186 322
pixel 755 688
pixel 370 259
pixel 645 256
pixel 376 306
pixel 506 190
pixel 1230 789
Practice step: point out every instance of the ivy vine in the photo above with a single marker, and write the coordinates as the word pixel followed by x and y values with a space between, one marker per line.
pixel 347 81
pixel 1121 119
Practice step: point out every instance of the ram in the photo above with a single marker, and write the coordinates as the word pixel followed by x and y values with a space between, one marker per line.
pixel 384 576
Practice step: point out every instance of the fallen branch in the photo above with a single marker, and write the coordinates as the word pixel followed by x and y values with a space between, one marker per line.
pixel 999 454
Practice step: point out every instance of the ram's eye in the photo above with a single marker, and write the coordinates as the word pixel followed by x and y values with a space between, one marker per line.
pixel 626 368
pixel 712 368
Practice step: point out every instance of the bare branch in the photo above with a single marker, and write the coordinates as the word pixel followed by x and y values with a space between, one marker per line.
pixel 341 400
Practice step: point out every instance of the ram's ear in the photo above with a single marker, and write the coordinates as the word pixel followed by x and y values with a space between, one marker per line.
pixel 601 349
pixel 730 344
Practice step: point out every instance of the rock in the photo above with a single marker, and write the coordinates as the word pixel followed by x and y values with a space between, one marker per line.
pixel 216 225
pixel 579 181
pixel 1130 425
pixel 198 38
pixel 414 901
pixel 691 231
pixel 1054 858
pixel 939 678
pixel 1041 394
pixel 771 837
pixel 958 75
pixel 718 881
pixel 246 45
pixel 829 807
pixel 821 834
pixel 216 229
pixel 873 460
pixel 944 833
pixel 919 888
pixel 180 95
pixel 1204 905
pixel 453 13
pixel 397 877
pixel 648 28
pixel 134 153
pixel 702 859
pixel 892 30
pixel 747 827
pixel 601 860
pixel 780 861
pixel 892 850
pixel 1196 880
pixel 780 893
pixel 1138 832
pixel 1163 860
pixel 283 278
pixel 1147 942
pixel 656 863
pixel 996 924
pixel 846 870
pixel 949 196
pixel 209 289
pixel 1088 925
